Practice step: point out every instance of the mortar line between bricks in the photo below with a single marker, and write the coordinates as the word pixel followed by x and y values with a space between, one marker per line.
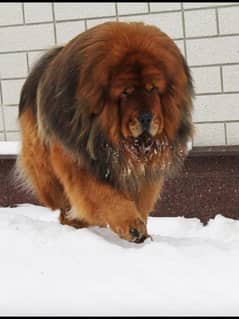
pixel 211 65
pixel 225 131
pixel 217 21
pixel 217 93
pixel 22 51
pixel 215 36
pixel 217 122
pixel 24 23
pixel 54 22
pixel 14 78
pixel 196 95
pixel 221 36
pixel 3 116
pixel 221 76
pixel 85 24
pixel 23 13
pixel 191 65
pixel 28 68
pixel 116 11
pixel 150 12
pixel 122 15
pixel 11 131
pixel 195 123
pixel 213 7
pixel 184 31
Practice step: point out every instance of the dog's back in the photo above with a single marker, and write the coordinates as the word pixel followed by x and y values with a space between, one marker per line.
pixel 29 90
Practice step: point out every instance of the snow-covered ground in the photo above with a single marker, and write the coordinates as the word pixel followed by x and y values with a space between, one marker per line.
pixel 50 269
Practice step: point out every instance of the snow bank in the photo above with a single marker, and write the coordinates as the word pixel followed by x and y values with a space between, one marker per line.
pixel 50 269
pixel 9 148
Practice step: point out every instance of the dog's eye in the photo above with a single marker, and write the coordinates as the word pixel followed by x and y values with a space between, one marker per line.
pixel 128 90
pixel 149 87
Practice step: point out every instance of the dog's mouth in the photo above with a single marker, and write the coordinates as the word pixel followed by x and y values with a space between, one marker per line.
pixel 145 146
pixel 143 143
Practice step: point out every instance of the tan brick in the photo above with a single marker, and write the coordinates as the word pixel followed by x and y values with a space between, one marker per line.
pixel 209 134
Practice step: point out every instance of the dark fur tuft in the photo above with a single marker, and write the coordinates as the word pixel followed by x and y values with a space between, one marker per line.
pixel 29 90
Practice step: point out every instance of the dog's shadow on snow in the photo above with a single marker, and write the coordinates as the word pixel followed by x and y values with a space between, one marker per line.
pixel 111 237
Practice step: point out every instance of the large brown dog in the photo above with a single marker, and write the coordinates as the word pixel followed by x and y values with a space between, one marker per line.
pixel 104 120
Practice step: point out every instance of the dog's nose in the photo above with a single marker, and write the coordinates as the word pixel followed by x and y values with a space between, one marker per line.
pixel 145 120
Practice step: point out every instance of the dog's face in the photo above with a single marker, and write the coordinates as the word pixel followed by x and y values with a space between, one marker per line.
pixel 137 93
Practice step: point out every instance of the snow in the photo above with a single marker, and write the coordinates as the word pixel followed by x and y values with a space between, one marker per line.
pixel 50 269
pixel 9 148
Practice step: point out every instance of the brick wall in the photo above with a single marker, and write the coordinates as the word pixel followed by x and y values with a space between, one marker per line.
pixel 206 33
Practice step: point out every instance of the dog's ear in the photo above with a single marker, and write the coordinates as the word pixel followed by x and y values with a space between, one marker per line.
pixel 29 89
pixel 57 107
pixel 177 101
pixel 186 128
pixel 73 90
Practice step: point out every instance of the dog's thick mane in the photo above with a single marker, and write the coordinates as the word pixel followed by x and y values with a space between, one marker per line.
pixel 63 90
pixel 112 166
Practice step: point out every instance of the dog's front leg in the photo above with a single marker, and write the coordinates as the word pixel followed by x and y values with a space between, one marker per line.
pixel 94 202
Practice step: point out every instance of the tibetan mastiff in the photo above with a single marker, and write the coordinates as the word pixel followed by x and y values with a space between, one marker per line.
pixel 104 120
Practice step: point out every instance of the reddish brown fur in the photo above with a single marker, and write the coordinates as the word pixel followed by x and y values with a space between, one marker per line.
pixel 124 70
pixel 93 201
pixel 35 161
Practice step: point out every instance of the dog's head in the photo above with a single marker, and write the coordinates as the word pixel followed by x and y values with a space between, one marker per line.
pixel 123 84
